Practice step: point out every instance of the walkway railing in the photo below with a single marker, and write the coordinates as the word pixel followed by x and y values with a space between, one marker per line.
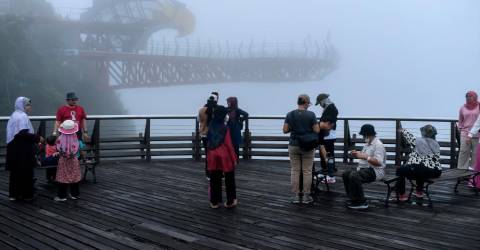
pixel 152 136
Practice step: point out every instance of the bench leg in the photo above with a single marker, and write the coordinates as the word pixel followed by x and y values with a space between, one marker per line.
pixel 459 180
pixel 412 187
pixel 430 203
pixel 389 193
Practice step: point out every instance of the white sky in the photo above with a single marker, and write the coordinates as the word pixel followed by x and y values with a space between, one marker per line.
pixel 398 57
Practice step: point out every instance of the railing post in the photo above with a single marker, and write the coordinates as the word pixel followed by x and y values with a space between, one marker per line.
pixel 247 141
pixel 398 143
pixel 146 141
pixel 96 140
pixel 197 153
pixel 453 146
pixel 42 129
pixel 346 140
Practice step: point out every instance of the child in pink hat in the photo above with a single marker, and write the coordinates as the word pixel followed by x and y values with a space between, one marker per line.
pixel 68 171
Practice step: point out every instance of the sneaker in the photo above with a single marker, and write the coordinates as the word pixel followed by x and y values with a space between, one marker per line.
pixel 320 176
pixel 59 199
pixel 308 199
pixel 419 194
pixel 297 199
pixel 214 206
pixel 358 206
pixel 12 199
pixel 403 197
pixel 208 178
pixel 331 180
pixel 470 168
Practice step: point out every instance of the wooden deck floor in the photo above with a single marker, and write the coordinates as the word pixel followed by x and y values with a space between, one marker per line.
pixel 163 205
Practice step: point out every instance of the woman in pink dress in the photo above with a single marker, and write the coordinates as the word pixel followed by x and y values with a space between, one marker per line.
pixel 68 171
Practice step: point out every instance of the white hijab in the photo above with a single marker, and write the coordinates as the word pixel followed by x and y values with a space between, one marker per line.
pixel 19 119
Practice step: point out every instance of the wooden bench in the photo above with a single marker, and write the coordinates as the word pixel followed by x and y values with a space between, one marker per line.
pixel 449 174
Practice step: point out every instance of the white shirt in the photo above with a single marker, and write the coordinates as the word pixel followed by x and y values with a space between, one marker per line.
pixel 376 150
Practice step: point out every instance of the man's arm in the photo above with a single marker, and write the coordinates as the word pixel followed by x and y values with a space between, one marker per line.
pixel 286 128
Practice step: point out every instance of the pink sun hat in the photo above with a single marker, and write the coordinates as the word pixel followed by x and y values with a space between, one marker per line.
pixel 68 127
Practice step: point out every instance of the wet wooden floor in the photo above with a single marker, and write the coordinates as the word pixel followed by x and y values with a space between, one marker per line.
pixel 164 205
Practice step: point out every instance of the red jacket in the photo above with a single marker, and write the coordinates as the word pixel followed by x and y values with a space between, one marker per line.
pixel 222 158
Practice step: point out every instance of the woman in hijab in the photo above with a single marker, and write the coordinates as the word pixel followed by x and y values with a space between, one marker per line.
pixel 21 150
pixel 221 159
pixel 235 122
pixel 469 113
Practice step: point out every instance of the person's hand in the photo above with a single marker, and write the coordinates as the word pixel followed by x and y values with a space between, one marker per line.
pixel 42 140
pixel 56 154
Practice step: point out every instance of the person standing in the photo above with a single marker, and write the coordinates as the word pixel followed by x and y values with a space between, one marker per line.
pixel 328 137
pixel 468 114
pixel 301 123
pixel 72 111
pixel 68 171
pixel 221 160
pixel 205 116
pixel 21 150
pixel 235 122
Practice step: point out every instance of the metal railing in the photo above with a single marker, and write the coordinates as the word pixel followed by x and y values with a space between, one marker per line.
pixel 172 136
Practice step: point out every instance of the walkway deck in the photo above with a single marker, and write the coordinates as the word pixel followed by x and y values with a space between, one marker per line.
pixel 163 205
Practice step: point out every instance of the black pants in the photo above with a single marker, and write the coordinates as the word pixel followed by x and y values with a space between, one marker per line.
pixel 216 187
pixel 353 180
pixel 74 190
pixel 417 172
pixel 329 146
pixel 204 143
pixel 51 172
pixel 21 183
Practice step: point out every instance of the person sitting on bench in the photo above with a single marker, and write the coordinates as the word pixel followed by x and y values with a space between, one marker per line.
pixel 51 158
pixel 371 167
pixel 423 162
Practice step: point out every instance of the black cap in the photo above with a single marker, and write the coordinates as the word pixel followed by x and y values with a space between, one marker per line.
pixel 367 130
pixel 321 97
pixel 71 96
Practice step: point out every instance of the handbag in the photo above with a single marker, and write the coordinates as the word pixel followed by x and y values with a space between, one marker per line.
pixel 308 141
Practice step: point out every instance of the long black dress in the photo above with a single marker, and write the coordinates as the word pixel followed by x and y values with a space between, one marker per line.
pixel 20 161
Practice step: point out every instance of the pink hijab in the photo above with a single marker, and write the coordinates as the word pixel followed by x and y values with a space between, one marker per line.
pixel 473 104
pixel 68 145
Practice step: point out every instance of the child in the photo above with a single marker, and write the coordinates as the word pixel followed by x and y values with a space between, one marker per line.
pixel 51 157
pixel 68 171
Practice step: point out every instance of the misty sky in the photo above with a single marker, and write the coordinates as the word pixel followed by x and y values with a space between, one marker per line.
pixel 398 58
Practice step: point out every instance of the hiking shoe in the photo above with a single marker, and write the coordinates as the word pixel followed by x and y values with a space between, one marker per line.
pixel 308 199
pixel 331 180
pixel 59 199
pixel 358 206
pixel 297 199
pixel 403 197
pixel 419 194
